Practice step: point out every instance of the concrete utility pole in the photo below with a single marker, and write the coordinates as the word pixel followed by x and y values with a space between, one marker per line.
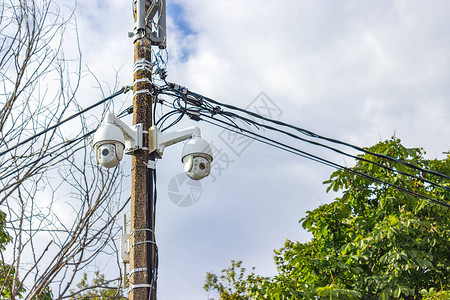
pixel 143 252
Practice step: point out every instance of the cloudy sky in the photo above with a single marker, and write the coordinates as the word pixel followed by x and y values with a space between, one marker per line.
pixel 358 71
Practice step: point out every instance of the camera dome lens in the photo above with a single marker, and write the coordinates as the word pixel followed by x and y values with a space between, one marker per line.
pixel 105 152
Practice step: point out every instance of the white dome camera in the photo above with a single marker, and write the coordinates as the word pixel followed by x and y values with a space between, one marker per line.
pixel 109 144
pixel 197 158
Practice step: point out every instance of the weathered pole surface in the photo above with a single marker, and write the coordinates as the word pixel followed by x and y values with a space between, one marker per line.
pixel 141 264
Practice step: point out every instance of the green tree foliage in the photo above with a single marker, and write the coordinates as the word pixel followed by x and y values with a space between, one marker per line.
pixel 5 238
pixel 231 284
pixel 96 290
pixel 7 271
pixel 374 242
pixel 6 281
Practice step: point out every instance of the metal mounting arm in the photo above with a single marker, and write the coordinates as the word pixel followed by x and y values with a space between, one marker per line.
pixel 133 135
pixel 159 141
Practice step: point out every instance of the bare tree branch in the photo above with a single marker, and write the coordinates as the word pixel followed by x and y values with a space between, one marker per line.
pixel 62 209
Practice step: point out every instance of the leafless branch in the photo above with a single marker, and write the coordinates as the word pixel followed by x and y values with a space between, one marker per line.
pixel 61 207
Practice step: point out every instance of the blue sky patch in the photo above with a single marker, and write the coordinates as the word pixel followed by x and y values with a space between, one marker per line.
pixel 177 12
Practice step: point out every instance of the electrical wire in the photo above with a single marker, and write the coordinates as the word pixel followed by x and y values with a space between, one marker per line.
pixel 183 112
pixel 315 158
pixel 346 154
pixel 121 91
pixel 312 134
pixel 279 146
pixel 199 105
pixel 51 152
pixel 150 234
pixel 228 115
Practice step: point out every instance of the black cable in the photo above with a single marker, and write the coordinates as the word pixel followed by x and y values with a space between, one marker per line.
pixel 227 115
pixel 305 154
pixel 121 91
pixel 155 91
pixel 312 134
pixel 155 271
pixel 150 233
pixel 164 118
pixel 183 112
pixel 257 125
pixel 51 152
pixel 337 166
pixel 342 152
pixel 126 111
pixel 271 144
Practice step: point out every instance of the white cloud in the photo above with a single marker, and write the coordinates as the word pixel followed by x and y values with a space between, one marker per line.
pixel 357 71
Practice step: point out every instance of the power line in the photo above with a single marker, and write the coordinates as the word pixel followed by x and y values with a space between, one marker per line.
pixel 315 158
pixel 312 134
pixel 121 91
pixel 199 106
pixel 346 154
pixel 51 152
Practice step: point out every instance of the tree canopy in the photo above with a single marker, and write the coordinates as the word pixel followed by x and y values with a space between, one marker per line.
pixel 373 242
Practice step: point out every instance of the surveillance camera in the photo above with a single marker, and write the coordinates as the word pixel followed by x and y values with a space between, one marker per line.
pixel 197 158
pixel 109 144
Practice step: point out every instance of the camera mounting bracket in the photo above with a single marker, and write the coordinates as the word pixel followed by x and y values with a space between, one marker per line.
pixel 133 135
pixel 159 141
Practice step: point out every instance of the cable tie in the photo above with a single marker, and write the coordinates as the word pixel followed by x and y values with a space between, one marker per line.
pixel 141 229
pixel 142 64
pixel 143 242
pixel 140 68
pixel 137 286
pixel 142 61
pixel 137 270
pixel 145 91
pixel 127 88
pixel 146 80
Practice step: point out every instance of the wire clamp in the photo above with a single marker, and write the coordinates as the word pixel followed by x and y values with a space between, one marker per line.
pixel 143 242
pixel 180 88
pixel 127 88
pixel 193 114
pixel 151 164
pixel 216 110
